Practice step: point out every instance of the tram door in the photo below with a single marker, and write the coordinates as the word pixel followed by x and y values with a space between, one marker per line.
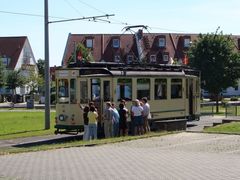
pixel 95 89
pixel 100 93
pixel 190 97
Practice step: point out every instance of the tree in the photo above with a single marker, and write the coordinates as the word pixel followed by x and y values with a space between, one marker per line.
pixel 216 57
pixel 41 66
pixel 14 79
pixel 34 81
pixel 81 54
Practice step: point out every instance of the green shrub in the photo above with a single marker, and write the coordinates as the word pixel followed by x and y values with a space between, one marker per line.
pixel 234 98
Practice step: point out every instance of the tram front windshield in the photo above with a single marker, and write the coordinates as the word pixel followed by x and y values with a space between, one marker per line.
pixel 63 88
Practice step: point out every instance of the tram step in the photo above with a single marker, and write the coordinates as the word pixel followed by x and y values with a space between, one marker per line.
pixel 169 125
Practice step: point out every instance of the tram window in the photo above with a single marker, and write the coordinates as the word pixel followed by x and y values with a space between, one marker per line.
pixel 124 89
pixel 63 88
pixel 95 84
pixel 187 88
pixel 106 90
pixel 176 88
pixel 83 92
pixel 160 89
pixel 73 91
pixel 197 87
pixel 143 88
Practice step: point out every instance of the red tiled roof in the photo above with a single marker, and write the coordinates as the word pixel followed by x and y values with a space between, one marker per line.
pixel 103 50
pixel 11 47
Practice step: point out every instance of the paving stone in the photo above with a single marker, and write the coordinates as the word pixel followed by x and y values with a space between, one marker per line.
pixel 180 156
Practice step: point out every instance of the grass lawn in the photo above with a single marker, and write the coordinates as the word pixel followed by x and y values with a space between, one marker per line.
pixel 15 124
pixel 228 128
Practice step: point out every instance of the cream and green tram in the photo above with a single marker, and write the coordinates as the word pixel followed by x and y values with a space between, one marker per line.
pixel 172 91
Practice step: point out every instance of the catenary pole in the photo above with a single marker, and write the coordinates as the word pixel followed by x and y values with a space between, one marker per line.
pixel 47 79
pixel 47 72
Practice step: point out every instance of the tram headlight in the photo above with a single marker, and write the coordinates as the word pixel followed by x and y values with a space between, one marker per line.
pixel 61 117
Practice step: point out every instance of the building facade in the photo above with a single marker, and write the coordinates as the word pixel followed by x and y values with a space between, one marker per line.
pixel 16 54
pixel 159 48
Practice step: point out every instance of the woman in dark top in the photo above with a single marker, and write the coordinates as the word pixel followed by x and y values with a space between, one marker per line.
pixel 85 120
pixel 123 120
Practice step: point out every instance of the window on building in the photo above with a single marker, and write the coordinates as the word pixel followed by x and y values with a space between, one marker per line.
pixel 160 88
pixel 124 89
pixel 143 88
pixel 238 43
pixel 117 58
pixel 187 42
pixel 153 58
pixel 5 61
pixel 162 42
pixel 129 59
pixel 165 57
pixel 236 88
pixel 89 43
pixel 176 88
pixel 116 43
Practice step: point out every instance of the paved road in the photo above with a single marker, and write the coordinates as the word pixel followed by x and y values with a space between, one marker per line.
pixel 181 156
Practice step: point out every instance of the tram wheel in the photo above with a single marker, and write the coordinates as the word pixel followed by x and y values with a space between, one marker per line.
pixel 56 131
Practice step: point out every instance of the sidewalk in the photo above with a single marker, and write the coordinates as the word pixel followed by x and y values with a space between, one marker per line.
pixel 8 105
pixel 205 121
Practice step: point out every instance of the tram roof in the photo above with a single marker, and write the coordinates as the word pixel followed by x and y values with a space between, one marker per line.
pixel 121 69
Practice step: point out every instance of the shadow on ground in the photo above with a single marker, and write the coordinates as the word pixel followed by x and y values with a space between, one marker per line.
pixel 50 141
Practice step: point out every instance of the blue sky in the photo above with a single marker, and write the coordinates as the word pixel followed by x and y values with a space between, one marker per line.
pixel 171 16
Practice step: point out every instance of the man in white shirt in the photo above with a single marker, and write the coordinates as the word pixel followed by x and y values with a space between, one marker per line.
pixel 146 115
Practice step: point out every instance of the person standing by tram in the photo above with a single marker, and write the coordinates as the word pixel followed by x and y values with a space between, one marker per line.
pixel 137 113
pixel 92 117
pixel 115 121
pixel 123 114
pixel 146 115
pixel 108 120
pixel 86 121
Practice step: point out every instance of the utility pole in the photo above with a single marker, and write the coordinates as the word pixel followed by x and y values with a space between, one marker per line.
pixel 47 72
pixel 47 79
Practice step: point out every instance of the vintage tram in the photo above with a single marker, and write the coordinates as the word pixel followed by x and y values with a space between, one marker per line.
pixel 173 91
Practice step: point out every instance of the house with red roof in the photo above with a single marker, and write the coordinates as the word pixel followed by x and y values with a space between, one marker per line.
pixel 16 53
pixel 160 48
pixel 137 46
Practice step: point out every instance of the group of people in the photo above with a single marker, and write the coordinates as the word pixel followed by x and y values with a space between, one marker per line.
pixel 115 120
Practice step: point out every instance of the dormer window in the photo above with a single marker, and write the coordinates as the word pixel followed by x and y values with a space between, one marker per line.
pixel 89 43
pixel 153 58
pixel 162 42
pixel 116 43
pixel 165 57
pixel 187 42
pixel 117 58
pixel 129 59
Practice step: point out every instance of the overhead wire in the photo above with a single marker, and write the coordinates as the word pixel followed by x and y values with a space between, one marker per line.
pixel 110 21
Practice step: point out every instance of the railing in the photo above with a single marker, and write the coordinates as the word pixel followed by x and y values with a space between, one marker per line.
pixel 209 108
pixel 232 109
pixel 226 109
